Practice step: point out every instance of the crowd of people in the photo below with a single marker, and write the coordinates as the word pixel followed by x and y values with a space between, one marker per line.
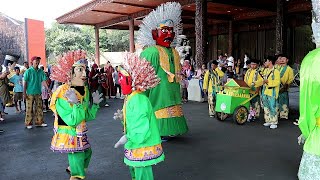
pixel 269 81
pixel 28 87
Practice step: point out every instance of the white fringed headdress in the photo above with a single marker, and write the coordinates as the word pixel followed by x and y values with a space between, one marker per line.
pixel 316 22
pixel 141 71
pixel 167 11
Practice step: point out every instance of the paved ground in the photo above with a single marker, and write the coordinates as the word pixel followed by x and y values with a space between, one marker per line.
pixel 211 149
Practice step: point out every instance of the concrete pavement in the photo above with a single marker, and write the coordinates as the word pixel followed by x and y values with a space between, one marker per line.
pixel 211 150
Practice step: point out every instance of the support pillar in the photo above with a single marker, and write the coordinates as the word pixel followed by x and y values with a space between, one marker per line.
pixel 201 33
pixel 131 34
pixel 97 49
pixel 230 39
pixel 279 27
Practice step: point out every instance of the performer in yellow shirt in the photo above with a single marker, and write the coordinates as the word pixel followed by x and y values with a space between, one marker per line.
pixel 286 78
pixel 271 93
pixel 254 80
pixel 211 84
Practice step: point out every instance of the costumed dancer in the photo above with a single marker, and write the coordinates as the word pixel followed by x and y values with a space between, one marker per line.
pixel 70 104
pixel 254 80
pixel 309 121
pixel 156 33
pixel 286 77
pixel 211 84
pixel 271 93
pixel 141 137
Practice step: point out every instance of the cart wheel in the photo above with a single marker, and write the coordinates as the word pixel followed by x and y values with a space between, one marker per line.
pixel 240 115
pixel 222 116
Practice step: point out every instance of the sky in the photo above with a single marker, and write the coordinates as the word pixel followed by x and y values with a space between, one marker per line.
pixel 44 10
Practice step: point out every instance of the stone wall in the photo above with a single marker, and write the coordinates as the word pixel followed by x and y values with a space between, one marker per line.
pixel 12 38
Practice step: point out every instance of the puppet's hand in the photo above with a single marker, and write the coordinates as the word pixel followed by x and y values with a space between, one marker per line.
pixel 118 115
pixel 97 98
pixel 301 139
pixel 121 141
pixel 71 96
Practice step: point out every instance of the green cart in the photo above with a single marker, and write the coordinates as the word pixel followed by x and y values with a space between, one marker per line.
pixel 234 100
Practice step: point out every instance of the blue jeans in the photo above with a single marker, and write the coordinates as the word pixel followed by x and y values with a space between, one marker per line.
pixel 201 87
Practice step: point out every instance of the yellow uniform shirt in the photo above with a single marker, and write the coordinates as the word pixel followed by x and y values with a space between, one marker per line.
pixel 273 76
pixel 250 78
pixel 288 75
pixel 209 82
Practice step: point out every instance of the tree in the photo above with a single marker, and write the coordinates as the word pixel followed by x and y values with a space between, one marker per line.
pixel 62 38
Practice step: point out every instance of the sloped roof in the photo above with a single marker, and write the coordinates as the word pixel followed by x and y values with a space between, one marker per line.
pixel 14 21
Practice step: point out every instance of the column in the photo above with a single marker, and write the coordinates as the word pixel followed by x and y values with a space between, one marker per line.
pixel 279 27
pixel 230 39
pixel 131 34
pixel 201 33
pixel 97 50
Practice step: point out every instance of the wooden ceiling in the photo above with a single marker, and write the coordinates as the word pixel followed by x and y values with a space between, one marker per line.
pixel 114 14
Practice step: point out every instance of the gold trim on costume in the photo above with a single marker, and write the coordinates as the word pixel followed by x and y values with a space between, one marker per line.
pixel 144 153
pixel 169 112
pixel 165 65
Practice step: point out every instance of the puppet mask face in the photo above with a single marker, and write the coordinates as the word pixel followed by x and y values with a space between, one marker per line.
pixel 79 75
pixel 164 34
pixel 125 83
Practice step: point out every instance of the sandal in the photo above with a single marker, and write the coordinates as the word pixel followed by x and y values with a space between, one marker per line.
pixel 68 170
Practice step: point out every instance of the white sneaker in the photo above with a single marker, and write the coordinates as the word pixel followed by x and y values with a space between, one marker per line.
pixel 112 97
pixel 267 124
pixel 273 126
pixel 1 119
pixel 42 125
pixel 106 105
pixel 29 127
pixel 122 97
pixel 44 111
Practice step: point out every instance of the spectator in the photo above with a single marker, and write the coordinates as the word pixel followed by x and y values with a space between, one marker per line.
pixel 115 77
pixel 108 69
pixel 93 78
pixel 4 88
pixel 33 79
pixel 45 93
pixel 18 89
pixel 200 75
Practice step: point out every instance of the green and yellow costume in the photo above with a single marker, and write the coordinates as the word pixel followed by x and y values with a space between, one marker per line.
pixel 212 83
pixel 286 76
pixel 254 80
pixel 143 148
pixel 270 98
pixel 309 121
pixel 166 96
pixel 70 129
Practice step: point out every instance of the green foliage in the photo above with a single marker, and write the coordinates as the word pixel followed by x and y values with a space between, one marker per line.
pixel 61 38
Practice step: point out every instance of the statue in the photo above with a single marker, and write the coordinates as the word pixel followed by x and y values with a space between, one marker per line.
pixel 183 48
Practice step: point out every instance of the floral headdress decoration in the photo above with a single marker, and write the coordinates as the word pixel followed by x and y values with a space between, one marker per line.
pixel 141 72
pixel 166 14
pixel 62 71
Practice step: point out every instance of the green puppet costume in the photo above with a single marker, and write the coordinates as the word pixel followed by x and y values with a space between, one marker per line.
pixel 166 97
pixel 309 121
pixel 141 139
pixel 143 148
pixel 156 34
pixel 70 105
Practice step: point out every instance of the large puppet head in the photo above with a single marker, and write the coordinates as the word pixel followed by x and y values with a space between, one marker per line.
pixel 161 26
pixel 71 68
pixel 136 74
